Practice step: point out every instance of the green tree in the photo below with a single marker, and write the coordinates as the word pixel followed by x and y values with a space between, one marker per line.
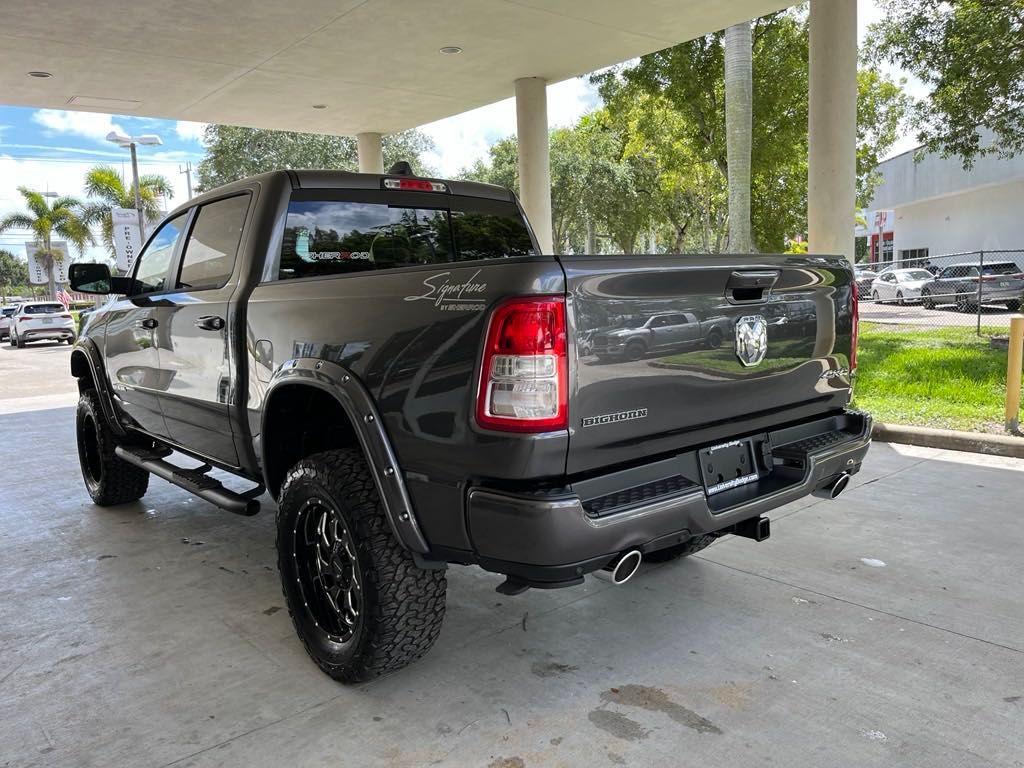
pixel 688 82
pixel 970 56
pixel 106 188
pixel 593 179
pixel 881 107
pixel 13 272
pixel 44 219
pixel 567 217
pixel 234 152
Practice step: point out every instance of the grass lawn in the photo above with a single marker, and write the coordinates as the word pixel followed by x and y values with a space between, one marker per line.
pixel 948 378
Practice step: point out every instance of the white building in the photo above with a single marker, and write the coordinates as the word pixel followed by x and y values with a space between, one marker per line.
pixel 936 207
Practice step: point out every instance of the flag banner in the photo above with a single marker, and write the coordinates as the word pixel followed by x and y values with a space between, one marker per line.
pixel 127 242
pixel 37 272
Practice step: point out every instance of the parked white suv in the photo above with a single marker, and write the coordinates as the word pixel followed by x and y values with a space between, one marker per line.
pixel 34 321
pixel 6 313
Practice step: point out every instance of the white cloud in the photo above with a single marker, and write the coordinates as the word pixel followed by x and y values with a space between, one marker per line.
pixel 465 138
pixel 92 125
pixel 188 131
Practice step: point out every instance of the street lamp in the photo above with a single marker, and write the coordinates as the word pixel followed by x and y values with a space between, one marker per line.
pixel 146 140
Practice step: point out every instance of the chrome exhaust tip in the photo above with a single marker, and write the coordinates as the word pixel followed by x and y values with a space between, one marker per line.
pixel 837 487
pixel 622 568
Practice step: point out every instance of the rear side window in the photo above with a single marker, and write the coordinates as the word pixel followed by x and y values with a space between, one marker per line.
pixel 213 245
pixel 329 237
pixel 42 309
pixel 1002 268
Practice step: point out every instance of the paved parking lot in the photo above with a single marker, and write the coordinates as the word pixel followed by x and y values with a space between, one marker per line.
pixel 886 628
pixel 36 376
pixel 940 317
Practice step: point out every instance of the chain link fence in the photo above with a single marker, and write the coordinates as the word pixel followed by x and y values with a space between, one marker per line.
pixel 934 338
pixel 976 289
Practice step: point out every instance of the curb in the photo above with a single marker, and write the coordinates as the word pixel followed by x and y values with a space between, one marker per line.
pixel 951 440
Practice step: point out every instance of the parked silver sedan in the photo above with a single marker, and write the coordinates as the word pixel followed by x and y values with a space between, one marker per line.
pixel 900 285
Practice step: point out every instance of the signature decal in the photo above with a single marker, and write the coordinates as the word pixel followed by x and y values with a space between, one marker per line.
pixel 452 297
pixel 612 418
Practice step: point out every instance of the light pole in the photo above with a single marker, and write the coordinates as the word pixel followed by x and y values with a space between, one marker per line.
pixel 146 140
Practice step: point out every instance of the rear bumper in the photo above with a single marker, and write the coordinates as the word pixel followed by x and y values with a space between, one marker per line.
pixel 549 539
pixel 37 334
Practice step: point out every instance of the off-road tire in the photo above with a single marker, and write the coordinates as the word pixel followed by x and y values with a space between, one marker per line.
pixel 694 545
pixel 108 479
pixel 713 339
pixel 402 605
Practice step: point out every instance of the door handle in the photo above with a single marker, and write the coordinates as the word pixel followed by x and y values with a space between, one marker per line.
pixel 210 322
pixel 149 323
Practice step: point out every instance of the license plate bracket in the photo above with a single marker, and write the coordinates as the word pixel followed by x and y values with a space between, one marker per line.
pixel 728 465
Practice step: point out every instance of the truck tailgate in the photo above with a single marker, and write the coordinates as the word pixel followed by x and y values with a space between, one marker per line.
pixel 672 350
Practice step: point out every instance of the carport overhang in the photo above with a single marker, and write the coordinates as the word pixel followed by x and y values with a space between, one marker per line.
pixel 367 67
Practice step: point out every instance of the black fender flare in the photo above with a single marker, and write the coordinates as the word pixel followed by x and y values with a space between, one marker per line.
pixel 86 349
pixel 356 401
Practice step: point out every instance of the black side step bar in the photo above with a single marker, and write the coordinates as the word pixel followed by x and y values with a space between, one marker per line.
pixel 195 481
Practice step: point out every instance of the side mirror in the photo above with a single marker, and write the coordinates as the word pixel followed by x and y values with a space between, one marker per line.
pixel 89 278
pixel 96 278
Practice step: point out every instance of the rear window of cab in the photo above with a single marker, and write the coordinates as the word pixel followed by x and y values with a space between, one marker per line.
pixel 387 230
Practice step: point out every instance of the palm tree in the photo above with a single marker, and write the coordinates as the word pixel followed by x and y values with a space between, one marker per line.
pixel 61 217
pixel 105 183
pixel 738 115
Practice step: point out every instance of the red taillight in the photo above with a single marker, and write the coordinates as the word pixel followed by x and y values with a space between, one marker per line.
pixel 66 316
pixel 416 185
pixel 855 326
pixel 524 374
pixel 25 317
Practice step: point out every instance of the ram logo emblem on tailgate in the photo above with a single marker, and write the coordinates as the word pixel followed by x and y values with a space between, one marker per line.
pixel 751 339
pixel 612 418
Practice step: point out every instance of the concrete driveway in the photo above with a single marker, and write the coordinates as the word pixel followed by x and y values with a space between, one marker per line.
pixel 886 628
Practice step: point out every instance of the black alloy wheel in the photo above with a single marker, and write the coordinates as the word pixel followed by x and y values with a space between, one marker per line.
pixel 326 568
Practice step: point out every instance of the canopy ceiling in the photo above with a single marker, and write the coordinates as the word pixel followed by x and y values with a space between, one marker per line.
pixel 375 64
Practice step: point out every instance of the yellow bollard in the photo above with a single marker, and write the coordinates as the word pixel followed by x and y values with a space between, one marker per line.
pixel 1013 371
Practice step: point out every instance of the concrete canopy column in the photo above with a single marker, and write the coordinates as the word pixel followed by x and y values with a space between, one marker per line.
pixel 534 163
pixel 832 127
pixel 371 158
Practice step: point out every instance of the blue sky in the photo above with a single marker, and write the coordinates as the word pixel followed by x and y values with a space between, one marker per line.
pixel 53 149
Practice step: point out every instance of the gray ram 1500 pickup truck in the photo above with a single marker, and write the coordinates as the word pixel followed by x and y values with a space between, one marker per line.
pixel 397 364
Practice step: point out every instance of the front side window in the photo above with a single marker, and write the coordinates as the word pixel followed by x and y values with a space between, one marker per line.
pixel 327 237
pixel 212 246
pixel 155 260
